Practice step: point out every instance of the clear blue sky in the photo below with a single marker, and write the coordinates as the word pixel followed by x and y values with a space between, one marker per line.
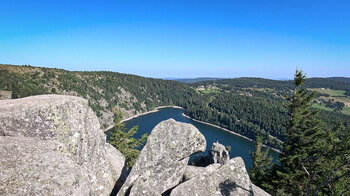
pixel 218 38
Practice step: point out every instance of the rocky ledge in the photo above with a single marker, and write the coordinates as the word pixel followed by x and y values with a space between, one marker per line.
pixel 53 145
pixel 162 166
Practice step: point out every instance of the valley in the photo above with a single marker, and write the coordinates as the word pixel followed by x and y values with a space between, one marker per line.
pixel 248 106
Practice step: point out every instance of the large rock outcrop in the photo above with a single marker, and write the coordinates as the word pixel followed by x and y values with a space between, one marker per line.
pixel 53 145
pixel 229 179
pixel 162 162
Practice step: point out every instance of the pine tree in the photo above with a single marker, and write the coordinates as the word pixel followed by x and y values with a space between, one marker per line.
pixel 123 140
pixel 262 164
pixel 313 161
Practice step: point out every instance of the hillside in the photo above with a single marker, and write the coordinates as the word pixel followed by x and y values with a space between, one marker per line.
pixel 105 91
pixel 248 106
pixel 254 106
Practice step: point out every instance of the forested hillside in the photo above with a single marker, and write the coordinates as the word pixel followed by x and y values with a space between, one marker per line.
pixel 106 91
pixel 249 106
pixel 254 106
pixel 335 83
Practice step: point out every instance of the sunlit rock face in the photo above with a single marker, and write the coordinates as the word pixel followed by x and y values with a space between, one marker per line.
pixel 229 179
pixel 53 145
pixel 162 162
pixel 161 168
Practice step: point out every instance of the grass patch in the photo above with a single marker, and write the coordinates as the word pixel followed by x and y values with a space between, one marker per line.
pixel 346 110
pixel 321 107
pixel 197 91
pixel 330 92
pixel 209 91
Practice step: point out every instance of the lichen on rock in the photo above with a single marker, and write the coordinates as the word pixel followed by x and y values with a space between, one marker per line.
pixel 162 162
pixel 53 145
pixel 229 179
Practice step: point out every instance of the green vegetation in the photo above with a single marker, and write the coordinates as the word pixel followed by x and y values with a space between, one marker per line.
pixel 123 140
pixel 346 110
pixel 328 83
pixel 322 107
pixel 254 106
pixel 209 91
pixel 262 165
pixel 249 106
pixel 332 100
pixel 105 91
pixel 228 148
pixel 245 115
pixel 315 142
pixel 330 92
pixel 316 161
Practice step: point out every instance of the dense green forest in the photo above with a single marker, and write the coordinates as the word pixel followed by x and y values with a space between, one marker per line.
pixel 336 83
pixel 106 91
pixel 255 106
pixel 249 106
pixel 245 115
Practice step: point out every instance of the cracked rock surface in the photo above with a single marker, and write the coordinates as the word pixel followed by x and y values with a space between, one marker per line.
pixel 53 145
pixel 229 179
pixel 162 162
pixel 193 171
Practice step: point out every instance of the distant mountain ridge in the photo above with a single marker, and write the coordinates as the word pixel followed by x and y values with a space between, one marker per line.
pixel 193 80
pixel 337 83
pixel 340 79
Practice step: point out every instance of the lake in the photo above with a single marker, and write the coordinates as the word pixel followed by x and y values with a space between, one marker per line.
pixel 239 146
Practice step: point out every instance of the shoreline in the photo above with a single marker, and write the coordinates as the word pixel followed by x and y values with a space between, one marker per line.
pixel 155 110
pixel 144 113
pixel 183 114
pixel 232 132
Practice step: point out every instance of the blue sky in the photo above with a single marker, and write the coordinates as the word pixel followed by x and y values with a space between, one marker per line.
pixel 217 38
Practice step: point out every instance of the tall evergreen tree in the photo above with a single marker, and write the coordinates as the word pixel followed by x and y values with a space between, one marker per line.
pixel 312 161
pixel 124 141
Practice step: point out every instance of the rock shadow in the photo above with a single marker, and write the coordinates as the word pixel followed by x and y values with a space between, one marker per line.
pixel 227 186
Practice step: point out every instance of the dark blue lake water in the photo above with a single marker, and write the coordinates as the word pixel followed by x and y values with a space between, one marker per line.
pixel 239 146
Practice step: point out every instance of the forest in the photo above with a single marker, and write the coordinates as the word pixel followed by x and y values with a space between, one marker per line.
pixel 105 91
pixel 257 107
pixel 249 106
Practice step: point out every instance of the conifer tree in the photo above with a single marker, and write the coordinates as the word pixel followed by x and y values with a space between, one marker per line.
pixel 313 161
pixel 124 141
pixel 262 164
